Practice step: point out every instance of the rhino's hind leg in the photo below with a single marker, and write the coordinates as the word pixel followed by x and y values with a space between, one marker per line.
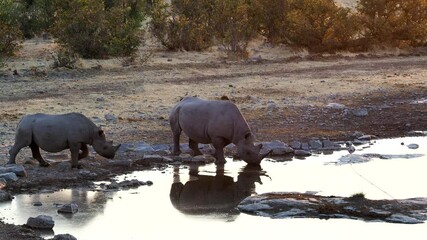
pixel 84 153
pixel 35 150
pixel 195 147
pixel 14 151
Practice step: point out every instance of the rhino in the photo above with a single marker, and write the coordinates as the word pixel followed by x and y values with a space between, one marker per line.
pixel 54 133
pixel 217 122
pixel 203 194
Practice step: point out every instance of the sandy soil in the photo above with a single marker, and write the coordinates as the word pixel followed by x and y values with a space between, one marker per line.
pixel 283 95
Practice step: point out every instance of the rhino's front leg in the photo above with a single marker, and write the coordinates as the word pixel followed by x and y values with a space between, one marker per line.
pixel 74 149
pixel 218 144
pixel 85 151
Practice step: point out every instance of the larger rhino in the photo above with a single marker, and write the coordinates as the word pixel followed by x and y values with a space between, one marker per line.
pixel 54 133
pixel 216 122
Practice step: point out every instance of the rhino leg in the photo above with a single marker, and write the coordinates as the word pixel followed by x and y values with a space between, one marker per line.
pixel 74 149
pixel 176 135
pixel 35 150
pixel 84 153
pixel 14 151
pixel 195 147
pixel 219 144
pixel 22 139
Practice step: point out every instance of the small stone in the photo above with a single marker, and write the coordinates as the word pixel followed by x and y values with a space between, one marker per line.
pixel 335 106
pixel 41 222
pixel 315 144
pixel 5 196
pixel 296 145
pixel 302 153
pixel 9 177
pixel 37 204
pixel 362 112
pixel 69 208
pixel 366 137
pixel 305 146
pixel 19 170
pixel 413 146
pixel 152 158
pixel 64 237
pixel 110 117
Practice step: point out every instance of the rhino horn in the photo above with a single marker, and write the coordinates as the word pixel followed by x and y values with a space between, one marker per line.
pixel 262 156
pixel 117 148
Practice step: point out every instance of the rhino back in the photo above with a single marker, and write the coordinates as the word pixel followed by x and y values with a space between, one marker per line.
pixel 52 133
pixel 203 120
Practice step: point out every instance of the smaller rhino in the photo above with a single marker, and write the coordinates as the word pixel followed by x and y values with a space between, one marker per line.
pixel 54 133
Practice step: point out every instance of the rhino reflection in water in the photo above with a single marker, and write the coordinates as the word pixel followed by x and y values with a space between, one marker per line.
pixel 204 194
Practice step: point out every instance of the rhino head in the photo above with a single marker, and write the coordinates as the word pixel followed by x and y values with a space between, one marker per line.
pixel 249 152
pixel 102 146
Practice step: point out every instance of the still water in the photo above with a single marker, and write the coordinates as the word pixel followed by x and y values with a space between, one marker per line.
pixel 198 203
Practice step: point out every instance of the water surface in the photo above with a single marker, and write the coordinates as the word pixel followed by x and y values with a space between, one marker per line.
pixel 199 203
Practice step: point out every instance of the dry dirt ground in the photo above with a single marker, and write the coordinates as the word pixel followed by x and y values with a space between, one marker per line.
pixel 283 95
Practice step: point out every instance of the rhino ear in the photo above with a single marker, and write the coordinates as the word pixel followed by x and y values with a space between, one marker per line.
pixel 101 132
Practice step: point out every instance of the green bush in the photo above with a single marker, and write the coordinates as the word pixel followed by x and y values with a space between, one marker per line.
pixel 37 16
pixel 232 25
pixel 9 27
pixel 93 30
pixel 183 24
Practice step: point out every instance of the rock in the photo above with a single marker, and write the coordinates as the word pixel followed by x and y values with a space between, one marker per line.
pixel 305 146
pixel 366 137
pixel 277 148
pixel 19 170
pixel 120 163
pixel 335 106
pixel 5 196
pixel 315 144
pixel 362 112
pixel 329 145
pixel 113 185
pixel 64 237
pixel 41 222
pixel 357 134
pixel 9 177
pixel 69 208
pixel 64 166
pixel 302 153
pixel 413 146
pixel 3 183
pixel 271 105
pixel 152 158
pixel 143 148
pixel 110 117
pixel 358 142
pixel 37 204
pixel 296 145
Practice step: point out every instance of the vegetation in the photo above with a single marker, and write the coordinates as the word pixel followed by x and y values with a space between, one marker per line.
pixel 104 28
pixel 10 34
pixel 110 28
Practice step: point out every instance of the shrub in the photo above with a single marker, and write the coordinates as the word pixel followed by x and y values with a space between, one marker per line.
pixel 94 30
pixel 232 25
pixel 270 19
pixel 320 25
pixel 184 24
pixel 393 23
pixel 37 16
pixel 9 27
